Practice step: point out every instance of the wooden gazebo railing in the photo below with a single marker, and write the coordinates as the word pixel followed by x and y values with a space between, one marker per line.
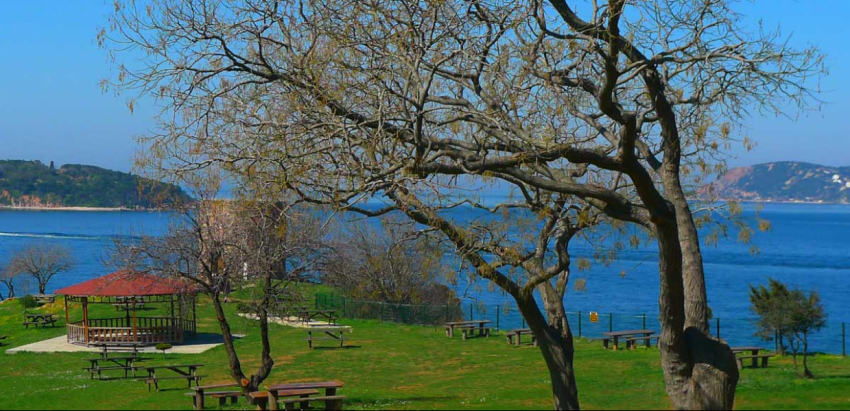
pixel 146 330
pixel 131 292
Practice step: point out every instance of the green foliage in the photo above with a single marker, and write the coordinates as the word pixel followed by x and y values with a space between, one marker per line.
pixel 27 302
pixel 163 347
pixel 31 183
pixel 790 314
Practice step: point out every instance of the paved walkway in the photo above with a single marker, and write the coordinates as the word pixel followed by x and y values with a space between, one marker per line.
pixel 197 345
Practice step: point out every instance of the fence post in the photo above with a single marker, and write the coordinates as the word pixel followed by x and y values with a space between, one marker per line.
pixel 611 322
pixel 317 301
pixel 579 324
pixel 523 322
pixel 498 316
pixel 471 314
pixel 644 321
pixel 718 328
pixel 343 306
pixel 382 312
pixel 843 340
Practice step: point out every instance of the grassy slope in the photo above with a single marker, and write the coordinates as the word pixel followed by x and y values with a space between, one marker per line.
pixel 399 367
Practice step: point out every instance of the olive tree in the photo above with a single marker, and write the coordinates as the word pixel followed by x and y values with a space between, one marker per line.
pixel 585 110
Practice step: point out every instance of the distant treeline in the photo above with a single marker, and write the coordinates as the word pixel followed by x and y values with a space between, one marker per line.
pixel 34 184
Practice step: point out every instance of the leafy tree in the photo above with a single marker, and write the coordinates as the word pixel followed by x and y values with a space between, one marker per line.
pixel 607 110
pixel 42 262
pixel 791 314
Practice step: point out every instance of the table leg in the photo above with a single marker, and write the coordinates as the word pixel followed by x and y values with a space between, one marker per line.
pixel 648 341
pixel 199 399
pixel 273 400
pixel 755 360
pixel 616 343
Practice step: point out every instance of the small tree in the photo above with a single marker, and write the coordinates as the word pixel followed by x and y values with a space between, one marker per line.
pixel 791 314
pixel 42 262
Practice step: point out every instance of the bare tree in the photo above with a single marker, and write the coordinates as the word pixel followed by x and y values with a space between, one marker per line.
pixel 612 109
pixel 7 278
pixel 42 262
pixel 394 263
pixel 221 245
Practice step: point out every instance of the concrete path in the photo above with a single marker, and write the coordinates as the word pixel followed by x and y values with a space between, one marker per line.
pixel 197 345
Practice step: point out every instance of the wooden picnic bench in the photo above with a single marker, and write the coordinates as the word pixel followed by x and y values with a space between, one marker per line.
pixel 517 335
pixel 261 398
pixel 468 328
pixel 40 320
pixel 99 371
pixel 754 356
pixel 200 392
pixel 631 342
pixel 117 348
pixel 307 316
pixel 327 334
pixel 45 298
pixel 332 401
pixel 190 374
pixel 617 335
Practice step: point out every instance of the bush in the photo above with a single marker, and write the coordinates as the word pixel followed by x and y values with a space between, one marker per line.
pixel 28 302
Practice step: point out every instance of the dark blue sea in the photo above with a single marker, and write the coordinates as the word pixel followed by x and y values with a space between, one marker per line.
pixel 808 247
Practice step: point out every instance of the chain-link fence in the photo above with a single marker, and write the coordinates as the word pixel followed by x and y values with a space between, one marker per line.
pixel 832 339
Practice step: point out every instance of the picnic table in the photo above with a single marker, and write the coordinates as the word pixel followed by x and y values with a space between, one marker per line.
pixel 616 335
pixel 201 391
pixel 333 402
pixel 190 374
pixel 308 316
pixel 45 298
pixel 124 348
pixel 40 320
pixel 331 334
pixel 753 355
pixel 480 325
pixel 515 337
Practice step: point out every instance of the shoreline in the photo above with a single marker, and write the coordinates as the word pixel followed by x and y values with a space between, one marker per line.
pixel 100 209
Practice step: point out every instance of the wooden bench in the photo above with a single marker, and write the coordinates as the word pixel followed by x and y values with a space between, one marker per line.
pixel 763 357
pixel 517 334
pixel 330 334
pixel 470 330
pixel 98 370
pixel 331 402
pixel 42 323
pixel 631 342
pixel 261 398
pixel 154 381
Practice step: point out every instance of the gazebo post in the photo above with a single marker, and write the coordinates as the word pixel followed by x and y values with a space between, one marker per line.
pixel 86 318
pixel 67 334
pixel 135 326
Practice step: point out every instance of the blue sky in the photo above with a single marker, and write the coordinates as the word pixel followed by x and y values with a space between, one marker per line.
pixel 51 107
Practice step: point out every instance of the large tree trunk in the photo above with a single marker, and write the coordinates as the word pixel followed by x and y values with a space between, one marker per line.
pixel 700 372
pixel 556 344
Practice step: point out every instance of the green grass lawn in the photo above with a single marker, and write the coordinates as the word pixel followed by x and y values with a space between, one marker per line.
pixel 396 367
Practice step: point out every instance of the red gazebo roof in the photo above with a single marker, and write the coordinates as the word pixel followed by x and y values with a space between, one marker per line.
pixel 125 284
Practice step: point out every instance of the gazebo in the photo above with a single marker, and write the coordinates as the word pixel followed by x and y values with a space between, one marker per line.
pixel 131 293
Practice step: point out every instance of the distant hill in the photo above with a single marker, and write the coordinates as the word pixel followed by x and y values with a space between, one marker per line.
pixel 34 184
pixel 784 182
